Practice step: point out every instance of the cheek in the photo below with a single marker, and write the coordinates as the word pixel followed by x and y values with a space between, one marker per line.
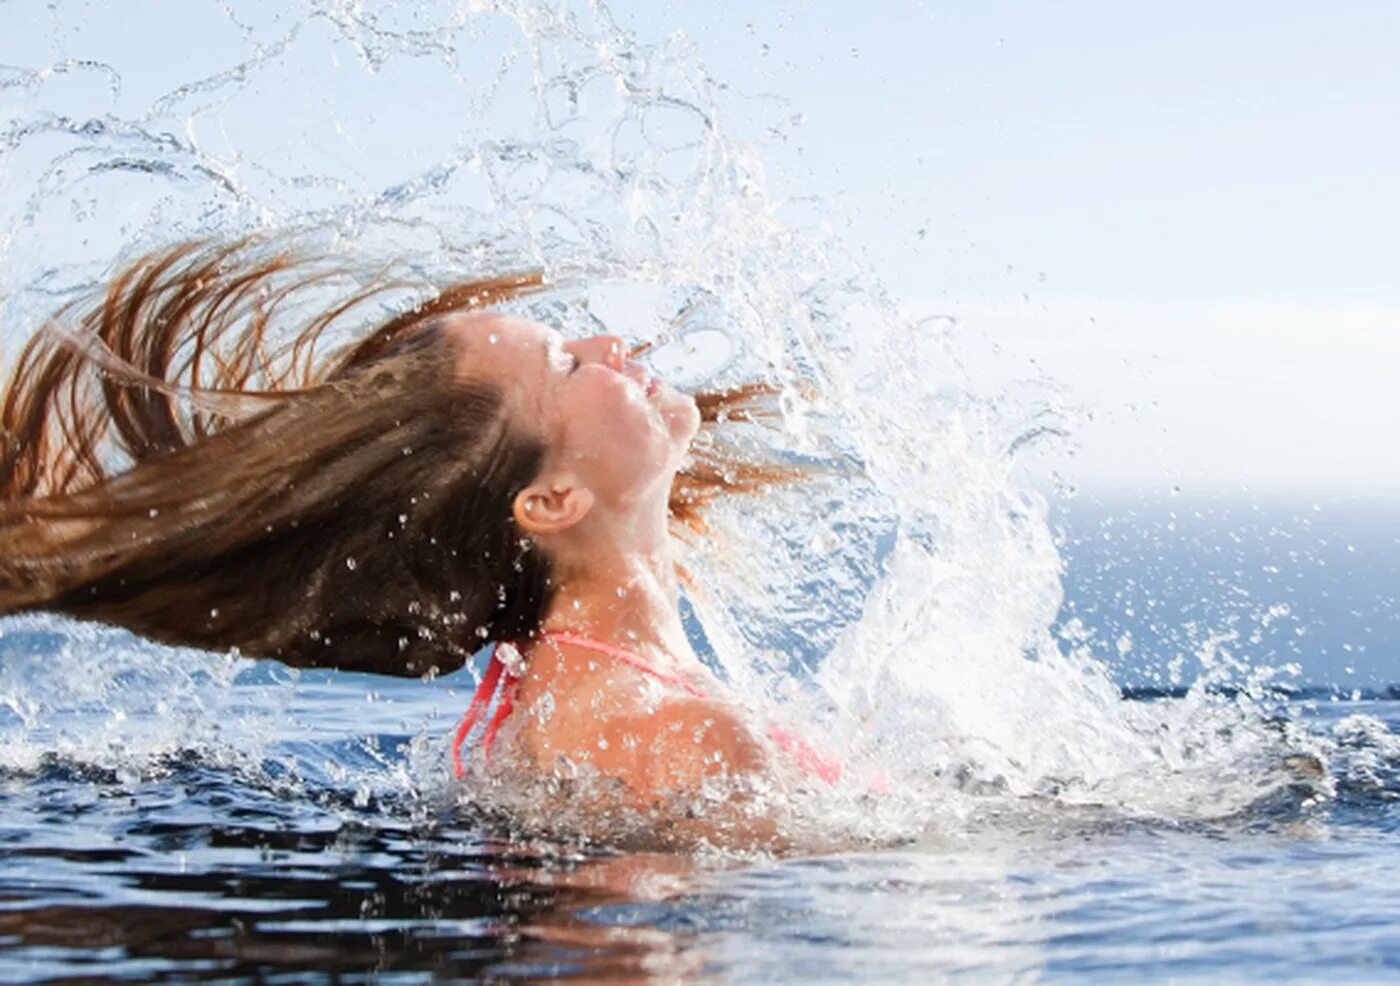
pixel 611 419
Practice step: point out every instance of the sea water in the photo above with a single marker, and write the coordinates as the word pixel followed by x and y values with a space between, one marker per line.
pixel 169 814
pixel 1128 740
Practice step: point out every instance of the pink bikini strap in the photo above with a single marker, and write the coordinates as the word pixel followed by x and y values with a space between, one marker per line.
pixel 808 757
pixel 498 676
pixel 626 657
pixel 811 760
pixel 481 701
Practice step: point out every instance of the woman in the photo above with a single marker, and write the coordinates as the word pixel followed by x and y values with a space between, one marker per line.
pixel 456 477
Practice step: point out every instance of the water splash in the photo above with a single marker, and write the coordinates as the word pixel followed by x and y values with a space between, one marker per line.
pixel 100 697
pixel 914 573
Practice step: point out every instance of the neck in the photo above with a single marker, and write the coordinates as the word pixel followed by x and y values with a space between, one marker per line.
pixel 620 586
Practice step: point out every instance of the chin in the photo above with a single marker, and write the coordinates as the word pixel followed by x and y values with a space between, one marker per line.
pixel 682 416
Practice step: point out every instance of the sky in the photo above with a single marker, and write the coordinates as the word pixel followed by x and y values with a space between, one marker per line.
pixel 1187 214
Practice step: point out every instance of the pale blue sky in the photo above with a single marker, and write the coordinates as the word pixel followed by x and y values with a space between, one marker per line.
pixel 1154 151
pixel 1200 200
pixel 1188 214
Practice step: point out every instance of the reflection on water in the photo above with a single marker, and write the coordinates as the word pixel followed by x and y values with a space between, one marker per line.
pixel 204 875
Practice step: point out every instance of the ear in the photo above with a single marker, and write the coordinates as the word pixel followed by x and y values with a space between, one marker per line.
pixel 551 506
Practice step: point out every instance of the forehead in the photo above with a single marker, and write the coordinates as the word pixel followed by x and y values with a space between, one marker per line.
pixel 505 351
pixel 489 336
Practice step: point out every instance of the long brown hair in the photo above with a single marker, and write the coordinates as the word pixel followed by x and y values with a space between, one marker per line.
pixel 166 467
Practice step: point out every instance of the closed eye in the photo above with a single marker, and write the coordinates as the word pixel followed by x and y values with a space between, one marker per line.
pixel 574 364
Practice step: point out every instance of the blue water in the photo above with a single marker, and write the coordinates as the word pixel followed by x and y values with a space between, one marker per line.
pixel 190 819
pixel 1170 571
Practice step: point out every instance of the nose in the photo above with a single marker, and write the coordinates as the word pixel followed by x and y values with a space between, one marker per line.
pixel 610 351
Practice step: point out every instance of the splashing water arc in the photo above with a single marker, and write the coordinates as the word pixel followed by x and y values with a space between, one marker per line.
pixel 907 592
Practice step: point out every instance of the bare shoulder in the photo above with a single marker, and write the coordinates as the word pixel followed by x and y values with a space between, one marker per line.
pixel 653 737
pixel 678 744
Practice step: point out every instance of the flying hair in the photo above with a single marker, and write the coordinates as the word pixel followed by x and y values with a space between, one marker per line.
pixel 199 454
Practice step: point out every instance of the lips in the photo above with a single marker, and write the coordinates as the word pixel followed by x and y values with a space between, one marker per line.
pixel 648 383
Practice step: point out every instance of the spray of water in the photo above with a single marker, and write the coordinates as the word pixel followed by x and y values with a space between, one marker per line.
pixel 904 596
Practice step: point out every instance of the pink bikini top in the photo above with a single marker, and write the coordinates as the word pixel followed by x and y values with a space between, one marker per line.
pixel 808 758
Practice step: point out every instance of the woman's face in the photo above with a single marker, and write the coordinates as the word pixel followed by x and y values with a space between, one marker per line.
pixel 601 415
